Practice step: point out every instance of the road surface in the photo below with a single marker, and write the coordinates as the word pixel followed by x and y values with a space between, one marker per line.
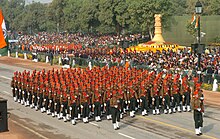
pixel 36 125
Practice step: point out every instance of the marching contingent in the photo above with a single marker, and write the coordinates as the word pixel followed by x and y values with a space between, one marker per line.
pixel 75 93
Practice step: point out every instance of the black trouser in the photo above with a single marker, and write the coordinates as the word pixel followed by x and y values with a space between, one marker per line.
pixel 132 104
pixel 46 103
pixel 40 101
pixel 166 102
pixel 176 100
pixel 97 109
pixel 20 94
pixel 121 105
pixel 85 110
pixel 25 95
pixel 186 100
pixel 144 103
pixel 17 93
pixel 13 92
pixel 107 108
pixel 30 98
pixel 198 119
pixel 58 107
pixel 156 102
pixel 74 111
pixel 35 99
pixel 52 106
pixel 115 114
pixel 64 108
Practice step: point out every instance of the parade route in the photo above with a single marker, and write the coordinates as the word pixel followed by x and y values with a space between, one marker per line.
pixel 25 123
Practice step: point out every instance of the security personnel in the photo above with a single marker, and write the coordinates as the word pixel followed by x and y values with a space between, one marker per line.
pixel 198 108
pixel 114 103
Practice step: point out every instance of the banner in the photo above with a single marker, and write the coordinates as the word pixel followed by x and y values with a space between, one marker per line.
pixel 3 31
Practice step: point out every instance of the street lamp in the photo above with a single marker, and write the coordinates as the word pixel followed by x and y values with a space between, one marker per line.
pixel 198 8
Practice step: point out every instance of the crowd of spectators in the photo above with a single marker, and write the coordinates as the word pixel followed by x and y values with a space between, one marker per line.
pixel 96 47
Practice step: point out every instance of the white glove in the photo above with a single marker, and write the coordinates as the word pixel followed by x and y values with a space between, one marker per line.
pixel 23 92
pixel 183 96
pixel 116 106
pixel 163 99
pixel 81 106
pixel 140 100
pixel 128 101
pixel 201 98
pixel 198 109
pixel 62 106
pixel 16 89
pixel 44 99
pixel 19 90
pixel 50 101
pixel 38 97
pixel 160 96
pixel 153 99
pixel 93 106
pixel 172 98
pixel 105 104
pixel 28 94
pixel 101 105
pixel 71 108
pixel 12 88
pixel 90 106
pixel 55 103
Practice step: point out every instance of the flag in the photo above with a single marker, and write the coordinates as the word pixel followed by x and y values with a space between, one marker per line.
pixel 197 22
pixel 3 31
pixel 193 21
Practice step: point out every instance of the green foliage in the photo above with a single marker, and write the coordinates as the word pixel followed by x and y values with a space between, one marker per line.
pixel 217 39
pixel 207 86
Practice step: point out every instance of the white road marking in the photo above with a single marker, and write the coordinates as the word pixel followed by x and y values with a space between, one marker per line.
pixel 126 135
pixel 5 92
pixel 93 124
pixel 5 77
pixel 36 133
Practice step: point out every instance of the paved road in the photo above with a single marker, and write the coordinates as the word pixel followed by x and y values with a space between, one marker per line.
pixel 39 125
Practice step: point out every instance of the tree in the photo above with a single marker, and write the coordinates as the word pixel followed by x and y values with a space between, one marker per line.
pixel 142 14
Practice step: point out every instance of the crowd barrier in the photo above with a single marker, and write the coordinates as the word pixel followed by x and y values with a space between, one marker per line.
pixel 84 62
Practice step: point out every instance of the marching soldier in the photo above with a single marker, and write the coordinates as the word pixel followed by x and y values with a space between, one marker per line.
pixel 84 104
pixel 73 107
pixel 185 91
pixel 175 95
pixel 198 109
pixel 114 103
pixel 143 99
pixel 96 101
pixel 155 97
pixel 166 97
pixel 106 100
